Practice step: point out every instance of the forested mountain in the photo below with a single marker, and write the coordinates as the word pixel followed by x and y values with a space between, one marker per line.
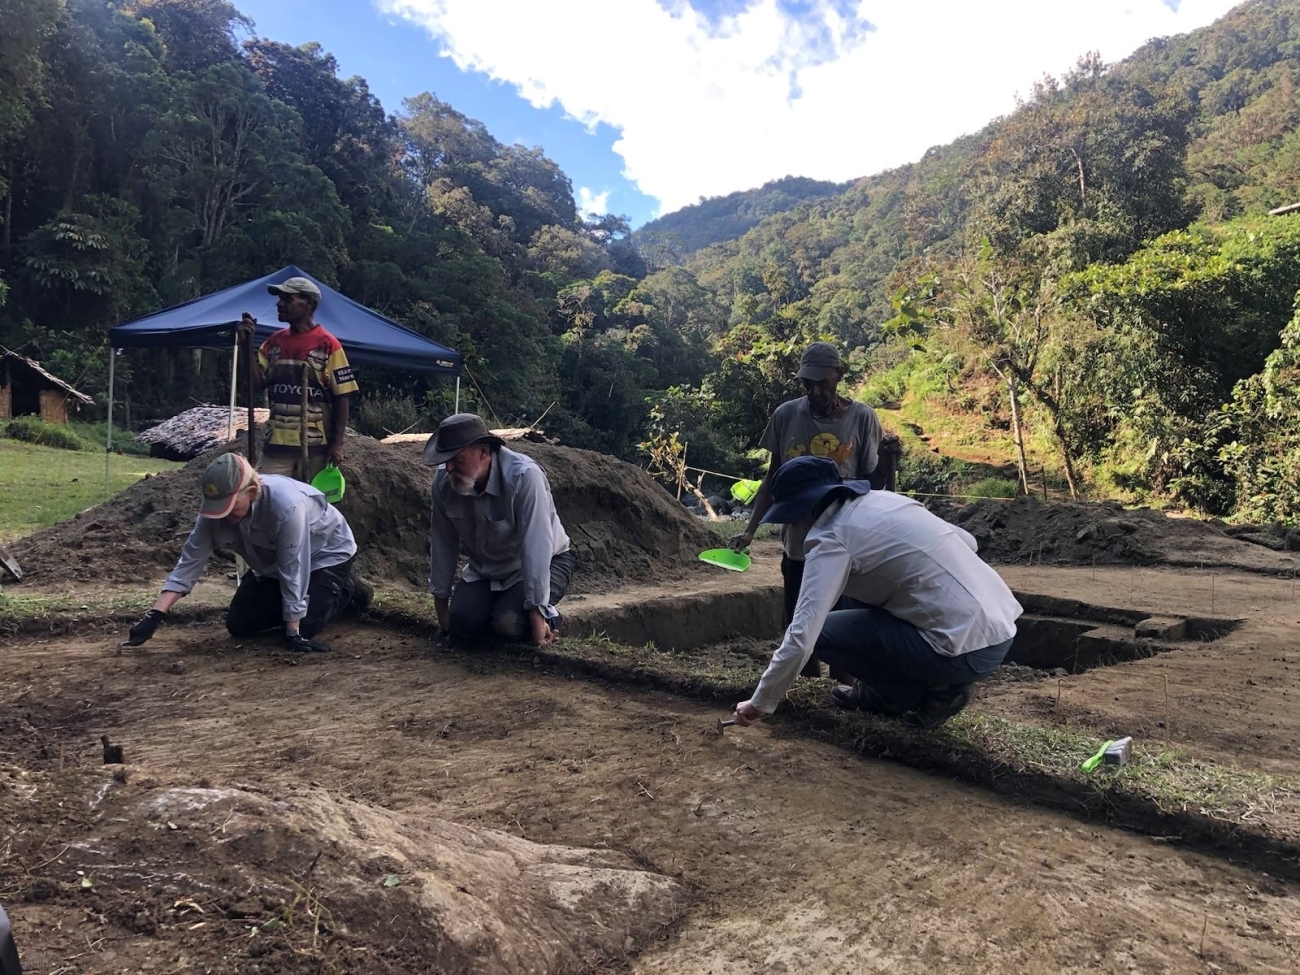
pixel 1087 281
pixel 724 217
pixel 1100 256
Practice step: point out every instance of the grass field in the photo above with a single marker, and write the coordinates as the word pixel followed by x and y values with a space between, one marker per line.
pixel 41 485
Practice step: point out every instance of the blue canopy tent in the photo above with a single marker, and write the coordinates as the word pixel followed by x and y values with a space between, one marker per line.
pixel 210 323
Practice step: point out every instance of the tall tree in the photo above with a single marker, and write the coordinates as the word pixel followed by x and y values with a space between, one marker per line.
pixel 213 151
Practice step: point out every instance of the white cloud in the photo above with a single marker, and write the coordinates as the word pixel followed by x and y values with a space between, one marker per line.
pixel 708 108
pixel 589 202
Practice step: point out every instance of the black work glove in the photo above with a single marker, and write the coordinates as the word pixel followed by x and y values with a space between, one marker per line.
pixel 297 643
pixel 144 629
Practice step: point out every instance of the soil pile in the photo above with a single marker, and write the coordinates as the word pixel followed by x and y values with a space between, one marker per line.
pixel 1026 530
pixel 623 526
pixel 621 523
pixel 237 880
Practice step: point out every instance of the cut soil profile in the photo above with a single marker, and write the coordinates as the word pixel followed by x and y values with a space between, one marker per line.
pixel 622 525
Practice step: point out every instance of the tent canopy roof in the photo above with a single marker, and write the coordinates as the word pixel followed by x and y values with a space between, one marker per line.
pixel 209 323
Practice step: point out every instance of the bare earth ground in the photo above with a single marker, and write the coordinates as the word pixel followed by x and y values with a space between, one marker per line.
pixel 380 809
pixel 1238 697
pixel 794 856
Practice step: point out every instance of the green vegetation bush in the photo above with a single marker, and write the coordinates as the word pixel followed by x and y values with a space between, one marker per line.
pixel 886 389
pixel 925 472
pixel 378 416
pixel 994 487
pixel 124 441
pixel 32 430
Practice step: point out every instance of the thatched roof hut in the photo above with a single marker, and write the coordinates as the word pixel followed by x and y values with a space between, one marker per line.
pixel 28 389
pixel 189 434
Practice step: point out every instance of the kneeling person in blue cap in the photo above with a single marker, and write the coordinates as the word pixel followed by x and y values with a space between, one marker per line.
pixel 495 504
pixel 937 618
pixel 299 549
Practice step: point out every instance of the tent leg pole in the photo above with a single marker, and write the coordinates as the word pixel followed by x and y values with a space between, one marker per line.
pixel 234 377
pixel 457 409
pixel 108 441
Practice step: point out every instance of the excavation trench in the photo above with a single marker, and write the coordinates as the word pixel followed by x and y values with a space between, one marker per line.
pixel 1053 634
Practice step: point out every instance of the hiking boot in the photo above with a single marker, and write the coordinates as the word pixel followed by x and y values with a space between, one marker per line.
pixel 939 704
pixel 864 697
pixel 363 594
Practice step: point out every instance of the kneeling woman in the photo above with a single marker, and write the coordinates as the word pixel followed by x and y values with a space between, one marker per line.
pixel 933 617
pixel 298 547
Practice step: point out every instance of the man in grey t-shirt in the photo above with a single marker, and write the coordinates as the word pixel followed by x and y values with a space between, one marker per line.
pixel 822 423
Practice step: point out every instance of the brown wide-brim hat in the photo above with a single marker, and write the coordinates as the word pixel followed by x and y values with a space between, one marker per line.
pixel 458 431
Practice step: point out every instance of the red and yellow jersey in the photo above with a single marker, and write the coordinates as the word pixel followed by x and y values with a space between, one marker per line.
pixel 329 376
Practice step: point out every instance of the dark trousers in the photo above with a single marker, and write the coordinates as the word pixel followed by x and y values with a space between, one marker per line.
pixel 891 655
pixel 792 582
pixel 258 606
pixel 477 610
pixel 8 950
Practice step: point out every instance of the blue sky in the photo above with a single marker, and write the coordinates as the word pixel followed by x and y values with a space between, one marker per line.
pixel 649 104
pixel 399 59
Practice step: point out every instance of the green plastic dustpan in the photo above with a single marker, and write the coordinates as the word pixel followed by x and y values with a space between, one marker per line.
pixel 330 483
pixel 745 491
pixel 725 558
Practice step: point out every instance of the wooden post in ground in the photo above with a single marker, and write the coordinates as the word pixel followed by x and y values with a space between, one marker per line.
pixel 250 366
pixel 302 428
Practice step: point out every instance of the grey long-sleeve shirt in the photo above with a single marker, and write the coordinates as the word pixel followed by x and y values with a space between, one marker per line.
pixel 510 531
pixel 290 530
pixel 887 550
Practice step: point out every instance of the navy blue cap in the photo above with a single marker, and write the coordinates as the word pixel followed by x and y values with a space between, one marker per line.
pixel 800 484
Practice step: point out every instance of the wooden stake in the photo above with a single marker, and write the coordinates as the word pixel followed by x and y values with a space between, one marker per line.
pixel 250 364
pixel 1205 925
pixel 681 477
pixel 1166 711
pixel 303 458
pixel 1211 593
pixel 1059 682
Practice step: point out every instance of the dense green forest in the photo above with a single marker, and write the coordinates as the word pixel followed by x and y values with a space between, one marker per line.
pixel 1090 284
pixel 723 217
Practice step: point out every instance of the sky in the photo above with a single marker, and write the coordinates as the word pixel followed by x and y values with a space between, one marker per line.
pixel 649 105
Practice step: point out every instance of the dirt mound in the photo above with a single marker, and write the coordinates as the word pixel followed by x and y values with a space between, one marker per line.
pixel 623 526
pixel 1026 530
pixel 236 879
pixel 619 520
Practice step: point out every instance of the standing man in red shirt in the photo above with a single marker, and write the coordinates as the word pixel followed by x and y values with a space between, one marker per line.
pixel 329 380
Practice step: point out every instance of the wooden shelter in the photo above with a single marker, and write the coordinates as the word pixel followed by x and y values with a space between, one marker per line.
pixel 26 389
pixel 201 428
